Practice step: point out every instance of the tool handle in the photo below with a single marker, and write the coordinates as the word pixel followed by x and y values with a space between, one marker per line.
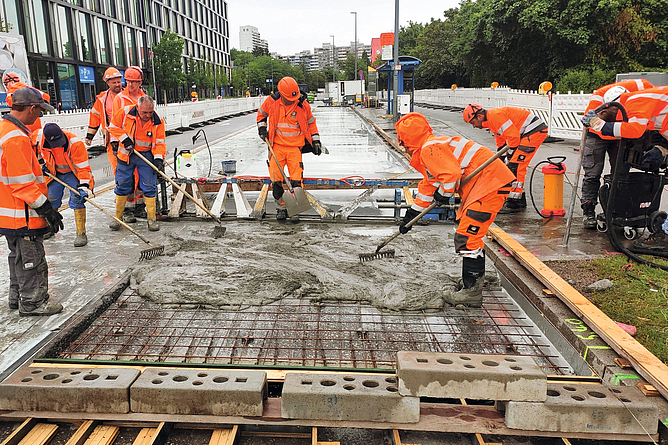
pixel 181 189
pixel 410 224
pixel 285 178
pixel 484 165
pixel 574 191
pixel 72 189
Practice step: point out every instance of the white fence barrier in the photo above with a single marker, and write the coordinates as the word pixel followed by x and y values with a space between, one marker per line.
pixel 175 115
pixel 562 112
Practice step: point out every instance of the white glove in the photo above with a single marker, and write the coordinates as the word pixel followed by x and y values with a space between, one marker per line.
pixel 596 123
pixel 83 189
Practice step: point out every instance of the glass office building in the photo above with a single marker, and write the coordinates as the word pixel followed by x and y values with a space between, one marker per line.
pixel 71 42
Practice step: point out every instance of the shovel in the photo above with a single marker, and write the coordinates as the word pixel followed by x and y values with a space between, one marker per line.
pixel 295 198
pixel 146 254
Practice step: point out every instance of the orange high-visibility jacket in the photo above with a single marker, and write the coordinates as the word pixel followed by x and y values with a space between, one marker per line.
pixel 123 100
pixel 128 129
pixel 38 122
pixel 299 125
pixel 510 124
pixel 98 118
pixel 444 161
pixel 22 185
pixel 646 110
pixel 73 158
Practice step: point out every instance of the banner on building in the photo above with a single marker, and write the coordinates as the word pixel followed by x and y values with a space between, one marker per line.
pixel 13 59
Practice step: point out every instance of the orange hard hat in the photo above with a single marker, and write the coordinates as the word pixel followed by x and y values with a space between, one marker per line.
pixel 111 73
pixel 470 111
pixel 134 73
pixel 289 89
pixel 412 130
pixel 10 76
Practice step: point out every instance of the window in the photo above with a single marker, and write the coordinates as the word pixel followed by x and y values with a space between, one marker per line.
pixel 111 8
pixel 63 37
pixel 117 45
pixel 131 45
pixel 86 37
pixel 133 11
pixel 122 11
pixel 35 18
pixel 12 16
pixel 103 47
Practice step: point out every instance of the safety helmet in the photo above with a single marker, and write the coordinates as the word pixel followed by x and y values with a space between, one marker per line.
pixel 289 89
pixel 470 111
pixel 612 95
pixel 134 73
pixel 10 76
pixel 111 73
pixel 412 130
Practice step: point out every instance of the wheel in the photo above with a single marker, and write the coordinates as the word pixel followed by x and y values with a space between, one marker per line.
pixel 601 226
pixel 656 220
pixel 630 233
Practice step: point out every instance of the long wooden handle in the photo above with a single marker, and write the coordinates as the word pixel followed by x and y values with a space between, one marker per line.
pixel 181 189
pixel 285 178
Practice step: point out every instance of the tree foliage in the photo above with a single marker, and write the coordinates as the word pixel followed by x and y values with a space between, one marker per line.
pixel 167 58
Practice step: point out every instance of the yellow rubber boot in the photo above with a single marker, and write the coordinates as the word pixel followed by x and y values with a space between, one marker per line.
pixel 120 206
pixel 150 214
pixel 80 220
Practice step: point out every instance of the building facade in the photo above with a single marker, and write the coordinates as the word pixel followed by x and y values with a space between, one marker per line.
pixel 249 39
pixel 70 43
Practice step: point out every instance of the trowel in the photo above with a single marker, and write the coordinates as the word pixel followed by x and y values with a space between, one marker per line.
pixel 295 198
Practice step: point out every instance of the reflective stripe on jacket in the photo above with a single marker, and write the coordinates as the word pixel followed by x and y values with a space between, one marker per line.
pixel 73 158
pixel 98 118
pixel 510 124
pixel 646 110
pixel 38 122
pixel 126 127
pixel 301 125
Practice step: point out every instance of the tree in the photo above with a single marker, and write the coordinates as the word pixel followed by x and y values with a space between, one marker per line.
pixel 200 73
pixel 259 51
pixel 167 59
pixel 5 26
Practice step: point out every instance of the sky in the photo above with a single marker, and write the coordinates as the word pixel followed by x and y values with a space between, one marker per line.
pixel 293 26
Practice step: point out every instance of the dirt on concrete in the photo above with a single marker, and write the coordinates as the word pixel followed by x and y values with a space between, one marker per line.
pixel 578 273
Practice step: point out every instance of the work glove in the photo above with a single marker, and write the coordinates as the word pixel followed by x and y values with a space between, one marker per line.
pixel 262 131
pixel 88 140
pixel 85 191
pixel 130 149
pixel 408 217
pixel 45 168
pixel 588 117
pixel 317 148
pixel 53 218
pixel 653 159
pixel 114 148
pixel 158 162
pixel 592 121
pixel 440 198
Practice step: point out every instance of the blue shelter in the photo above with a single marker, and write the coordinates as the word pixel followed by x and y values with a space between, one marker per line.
pixel 406 78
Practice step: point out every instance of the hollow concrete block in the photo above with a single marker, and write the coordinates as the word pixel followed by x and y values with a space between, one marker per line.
pixel 470 376
pixel 585 408
pixel 360 397
pixel 99 390
pixel 206 392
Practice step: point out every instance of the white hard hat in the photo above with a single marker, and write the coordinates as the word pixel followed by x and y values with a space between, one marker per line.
pixel 612 95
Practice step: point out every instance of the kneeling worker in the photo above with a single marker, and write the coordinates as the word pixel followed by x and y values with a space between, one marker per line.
pixel 443 162
pixel 65 157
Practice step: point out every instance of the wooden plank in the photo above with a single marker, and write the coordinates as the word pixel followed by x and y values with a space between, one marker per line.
pixel 319 207
pixel 218 208
pixel 41 434
pixel 314 436
pixel 258 209
pixel 243 207
pixel 20 432
pixel 82 434
pixel 162 431
pixel 103 435
pixel 644 362
pixel 623 363
pixel 647 389
pixel 408 196
pixel 175 210
pixel 224 436
pixel 145 436
pixel 198 194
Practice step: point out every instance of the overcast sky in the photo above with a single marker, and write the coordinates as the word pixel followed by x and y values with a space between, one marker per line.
pixel 296 25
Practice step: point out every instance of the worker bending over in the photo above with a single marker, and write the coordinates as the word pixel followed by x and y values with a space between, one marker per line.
pixel 25 211
pixel 65 157
pixel 13 83
pixel 138 127
pixel 285 118
pixel 519 129
pixel 443 162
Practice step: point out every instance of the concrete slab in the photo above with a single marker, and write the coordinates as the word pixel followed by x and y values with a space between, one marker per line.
pixel 470 376
pixel 361 397
pixel 586 408
pixel 193 391
pixel 100 390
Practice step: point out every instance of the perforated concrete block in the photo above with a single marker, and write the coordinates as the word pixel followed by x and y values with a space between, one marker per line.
pixel 470 376
pixel 192 391
pixel 586 408
pixel 99 390
pixel 359 397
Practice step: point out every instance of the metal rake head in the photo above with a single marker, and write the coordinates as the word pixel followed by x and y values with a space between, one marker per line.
pixel 379 254
pixel 218 232
pixel 152 252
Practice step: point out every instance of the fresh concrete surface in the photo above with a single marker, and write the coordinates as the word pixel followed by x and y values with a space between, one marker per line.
pixel 102 390
pixel 470 376
pixel 362 397
pixel 205 392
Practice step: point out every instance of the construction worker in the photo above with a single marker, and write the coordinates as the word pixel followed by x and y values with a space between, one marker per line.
pixel 443 162
pixel 65 156
pixel 597 145
pixel 12 83
pixel 26 213
pixel 138 127
pixel 285 119
pixel 519 129
pixel 103 110
pixel 128 97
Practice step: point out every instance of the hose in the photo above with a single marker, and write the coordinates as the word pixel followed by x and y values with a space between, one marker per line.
pixel 556 161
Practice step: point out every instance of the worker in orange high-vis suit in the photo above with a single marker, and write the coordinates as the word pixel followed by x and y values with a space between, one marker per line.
pixel 597 145
pixel 135 206
pixel 13 83
pixel 138 128
pixel 25 211
pixel 443 162
pixel 65 157
pixel 285 118
pixel 103 110
pixel 519 129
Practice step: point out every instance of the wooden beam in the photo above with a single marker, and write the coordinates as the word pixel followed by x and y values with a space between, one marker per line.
pixel 41 434
pixel 397 439
pixel 145 436
pixel 103 435
pixel 644 362
pixel 82 434
pixel 19 433
pixel 224 436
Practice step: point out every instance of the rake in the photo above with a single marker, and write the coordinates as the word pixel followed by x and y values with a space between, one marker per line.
pixel 146 254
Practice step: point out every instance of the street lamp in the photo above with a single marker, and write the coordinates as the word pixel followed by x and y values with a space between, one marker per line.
pixel 333 59
pixel 355 44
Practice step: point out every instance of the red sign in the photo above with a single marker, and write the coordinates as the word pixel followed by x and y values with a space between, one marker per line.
pixel 387 38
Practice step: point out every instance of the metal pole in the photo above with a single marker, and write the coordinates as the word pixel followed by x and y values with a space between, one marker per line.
pixel 333 60
pixel 355 44
pixel 395 87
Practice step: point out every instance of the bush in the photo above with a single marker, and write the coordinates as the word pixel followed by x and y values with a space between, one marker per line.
pixel 584 80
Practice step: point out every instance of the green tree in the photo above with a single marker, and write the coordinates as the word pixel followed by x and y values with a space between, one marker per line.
pixel 200 73
pixel 167 59
pixel 5 26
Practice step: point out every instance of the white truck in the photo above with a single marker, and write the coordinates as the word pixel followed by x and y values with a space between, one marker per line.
pixel 13 59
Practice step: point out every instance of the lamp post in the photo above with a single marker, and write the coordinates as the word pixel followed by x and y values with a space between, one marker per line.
pixel 355 44
pixel 333 60
pixel 396 60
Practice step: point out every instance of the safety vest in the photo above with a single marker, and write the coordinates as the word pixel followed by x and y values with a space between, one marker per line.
pixel 123 100
pixel 99 118
pixel 22 186
pixel 73 158
pixel 38 122
pixel 510 124
pixel 646 110
pixel 128 129
pixel 444 161
pixel 290 129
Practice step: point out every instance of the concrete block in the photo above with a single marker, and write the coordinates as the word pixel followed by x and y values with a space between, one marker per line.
pixel 98 390
pixel 359 397
pixel 470 376
pixel 585 408
pixel 193 391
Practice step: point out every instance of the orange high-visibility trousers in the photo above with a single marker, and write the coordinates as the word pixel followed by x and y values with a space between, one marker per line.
pixel 477 219
pixel 520 159
pixel 286 155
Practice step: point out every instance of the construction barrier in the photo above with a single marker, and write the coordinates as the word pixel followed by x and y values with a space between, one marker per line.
pixel 562 112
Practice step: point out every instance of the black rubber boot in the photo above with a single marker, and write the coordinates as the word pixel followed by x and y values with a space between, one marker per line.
pixel 589 215
pixel 512 205
pixel 473 277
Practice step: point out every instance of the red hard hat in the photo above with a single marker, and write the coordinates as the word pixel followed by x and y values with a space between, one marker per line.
pixel 111 73
pixel 289 89
pixel 470 111
pixel 134 73
pixel 412 130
